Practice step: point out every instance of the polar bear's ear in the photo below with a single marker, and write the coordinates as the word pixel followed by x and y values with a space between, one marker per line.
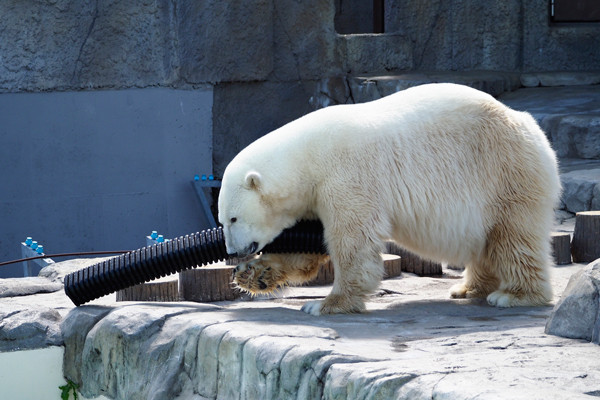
pixel 253 180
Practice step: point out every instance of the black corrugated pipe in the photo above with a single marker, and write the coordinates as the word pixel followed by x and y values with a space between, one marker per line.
pixel 185 252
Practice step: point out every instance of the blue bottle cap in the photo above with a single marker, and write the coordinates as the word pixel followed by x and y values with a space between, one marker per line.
pixel 40 249
pixel 160 239
pixel 154 234
pixel 203 177
pixel 34 245
pixel 196 177
pixel 211 178
pixel 28 241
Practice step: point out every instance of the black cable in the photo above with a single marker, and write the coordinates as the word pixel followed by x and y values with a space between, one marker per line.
pixel 81 253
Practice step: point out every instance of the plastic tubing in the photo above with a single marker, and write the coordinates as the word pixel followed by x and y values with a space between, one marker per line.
pixel 185 252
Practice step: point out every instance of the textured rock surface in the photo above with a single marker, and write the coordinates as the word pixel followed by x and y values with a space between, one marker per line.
pixel 222 41
pixel 370 53
pixel 581 188
pixel 58 44
pixel 25 327
pixel 444 36
pixel 560 79
pixel 552 47
pixel 31 309
pixel 25 286
pixel 575 135
pixel 413 343
pixel 88 44
pixel 577 313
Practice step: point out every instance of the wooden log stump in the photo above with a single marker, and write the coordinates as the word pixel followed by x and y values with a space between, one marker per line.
pixel 210 283
pixel 392 265
pixel 561 247
pixel 165 289
pixel 235 261
pixel 585 246
pixel 413 263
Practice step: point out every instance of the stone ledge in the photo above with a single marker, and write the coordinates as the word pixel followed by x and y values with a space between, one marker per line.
pixel 581 187
pixel 560 78
pixel 413 343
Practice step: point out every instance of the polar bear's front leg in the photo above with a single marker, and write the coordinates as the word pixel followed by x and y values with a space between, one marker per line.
pixel 356 275
pixel 267 272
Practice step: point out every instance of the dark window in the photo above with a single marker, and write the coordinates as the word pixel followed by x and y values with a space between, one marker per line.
pixel 575 10
pixel 359 16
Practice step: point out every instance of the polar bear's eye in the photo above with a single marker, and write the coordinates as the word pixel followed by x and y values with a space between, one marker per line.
pixel 233 220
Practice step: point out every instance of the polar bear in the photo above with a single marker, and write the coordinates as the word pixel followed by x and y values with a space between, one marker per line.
pixel 444 170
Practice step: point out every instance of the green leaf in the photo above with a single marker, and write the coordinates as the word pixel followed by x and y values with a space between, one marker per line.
pixel 66 390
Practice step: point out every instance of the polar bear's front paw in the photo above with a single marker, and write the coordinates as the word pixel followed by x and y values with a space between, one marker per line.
pixel 257 276
pixel 461 291
pixel 335 304
pixel 312 307
pixel 502 299
pixel 458 291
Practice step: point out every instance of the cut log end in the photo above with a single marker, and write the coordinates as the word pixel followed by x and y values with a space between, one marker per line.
pixel 561 247
pixel 414 264
pixel 162 290
pixel 585 246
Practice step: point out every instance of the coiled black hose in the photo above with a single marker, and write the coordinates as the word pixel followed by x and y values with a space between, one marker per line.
pixel 185 252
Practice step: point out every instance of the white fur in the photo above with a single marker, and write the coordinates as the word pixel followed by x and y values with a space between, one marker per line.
pixel 446 171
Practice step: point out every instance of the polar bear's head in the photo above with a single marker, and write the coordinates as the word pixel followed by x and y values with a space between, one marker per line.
pixel 252 211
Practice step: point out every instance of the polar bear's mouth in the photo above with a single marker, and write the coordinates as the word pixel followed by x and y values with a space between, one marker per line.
pixel 252 249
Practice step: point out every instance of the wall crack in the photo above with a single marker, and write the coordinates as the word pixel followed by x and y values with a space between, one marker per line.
pixel 85 40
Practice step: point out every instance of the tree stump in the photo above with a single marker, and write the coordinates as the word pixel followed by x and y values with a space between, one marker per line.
pixel 210 283
pixel 413 263
pixel 561 248
pixel 391 264
pixel 235 261
pixel 165 289
pixel 585 246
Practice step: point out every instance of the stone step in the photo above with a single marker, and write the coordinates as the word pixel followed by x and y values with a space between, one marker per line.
pixel 581 185
pixel 560 78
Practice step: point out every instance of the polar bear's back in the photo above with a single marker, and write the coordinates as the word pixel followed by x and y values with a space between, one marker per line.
pixel 441 159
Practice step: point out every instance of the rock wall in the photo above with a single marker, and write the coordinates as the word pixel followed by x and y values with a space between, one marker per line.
pixel 459 34
pixel 64 45
pixel 92 44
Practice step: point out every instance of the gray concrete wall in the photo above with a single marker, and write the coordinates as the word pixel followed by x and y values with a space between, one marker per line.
pixel 99 170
